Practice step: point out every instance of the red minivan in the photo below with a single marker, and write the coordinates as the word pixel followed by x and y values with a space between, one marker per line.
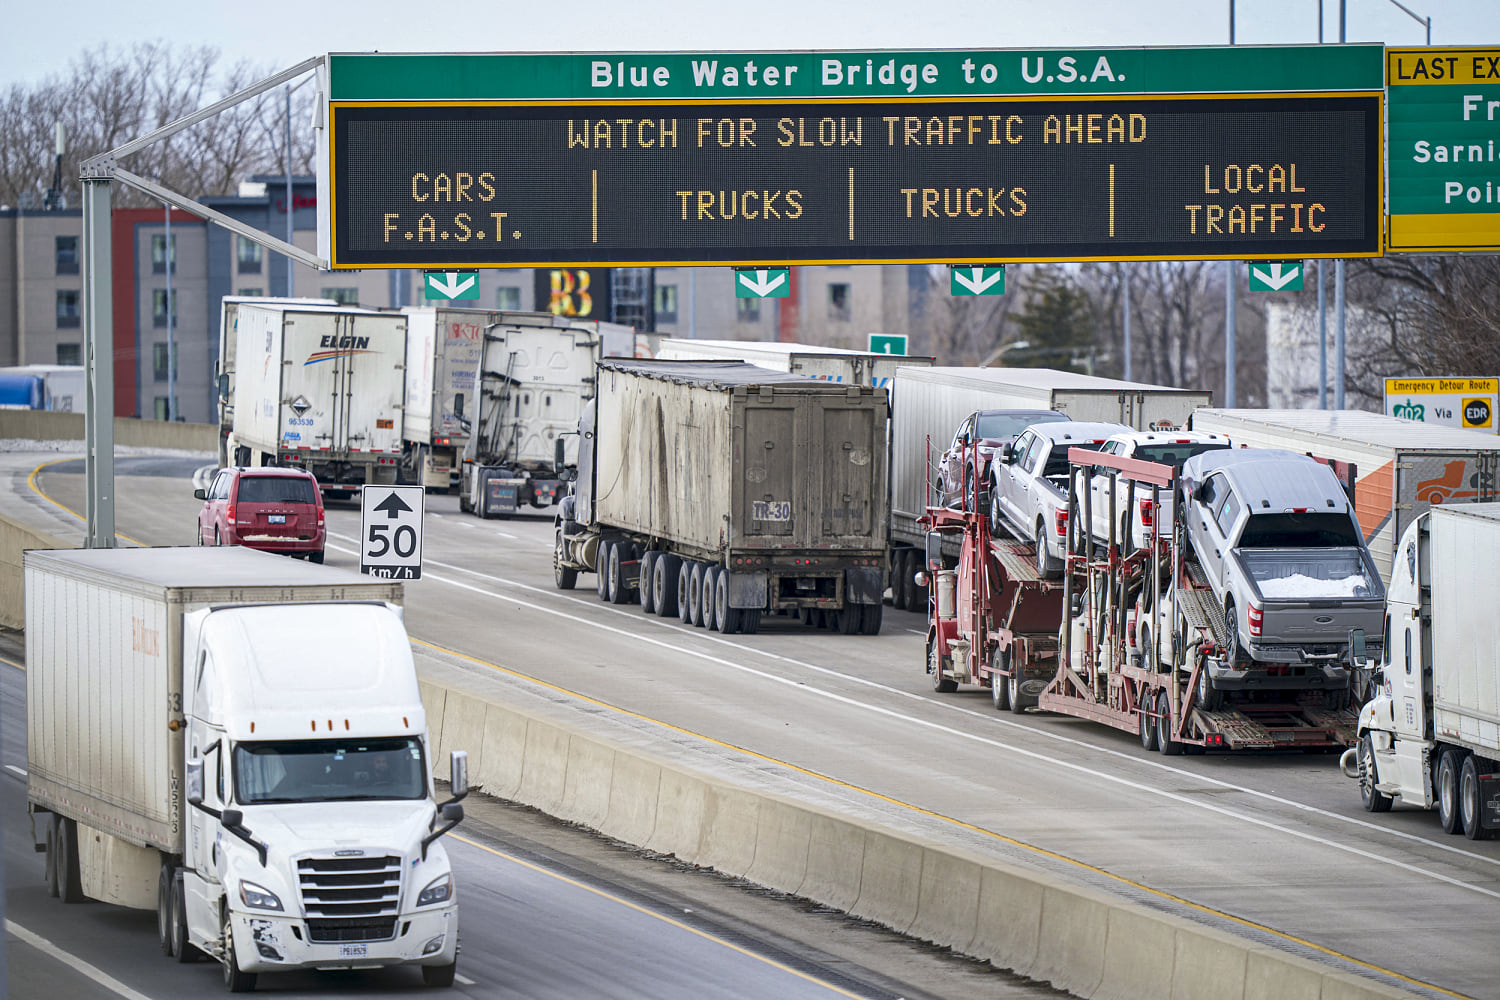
pixel 278 510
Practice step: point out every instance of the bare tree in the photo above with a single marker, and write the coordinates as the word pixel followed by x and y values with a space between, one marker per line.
pixel 110 96
pixel 966 329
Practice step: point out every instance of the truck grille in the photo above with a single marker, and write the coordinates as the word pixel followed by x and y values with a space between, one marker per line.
pixel 350 899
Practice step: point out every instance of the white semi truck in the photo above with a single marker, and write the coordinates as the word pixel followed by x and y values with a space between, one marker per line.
pixel 1431 735
pixel 237 740
pixel 317 387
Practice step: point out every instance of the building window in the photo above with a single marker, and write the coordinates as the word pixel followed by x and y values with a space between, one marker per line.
pixel 249 256
pixel 67 255
pixel 251 292
pixel 161 408
pixel 67 309
pixel 747 310
pixel 159 362
pixel 666 303
pixel 70 354
pixel 838 301
pixel 159 307
pixel 508 299
pixel 159 254
pixel 343 296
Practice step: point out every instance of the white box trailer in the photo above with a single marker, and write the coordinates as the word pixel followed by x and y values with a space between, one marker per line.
pixel 62 385
pixel 832 364
pixel 928 404
pixel 319 387
pixel 443 350
pixel 1431 734
pixel 229 315
pixel 1398 468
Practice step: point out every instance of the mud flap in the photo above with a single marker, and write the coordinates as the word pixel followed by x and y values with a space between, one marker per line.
pixel 748 590
pixel 864 585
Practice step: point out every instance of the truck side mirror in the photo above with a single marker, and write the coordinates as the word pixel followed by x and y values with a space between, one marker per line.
pixel 193 776
pixel 458 770
pixel 451 812
pixel 223 385
pixel 934 551
pixel 231 818
pixel 200 494
pixel 1357 644
pixel 558 455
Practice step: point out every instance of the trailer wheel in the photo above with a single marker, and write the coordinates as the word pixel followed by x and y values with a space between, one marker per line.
pixel 566 577
pixel 648 568
pixel 726 618
pixel 940 684
pixel 695 594
pixel 869 618
pixel 685 591
pixel 664 572
pixel 1210 698
pixel 49 873
pixel 69 882
pixel 1374 800
pixel 1013 688
pixel 620 553
pixel 1145 723
pixel 601 568
pixel 848 619
pixel 1164 741
pixel 1469 806
pixel 1449 815
pixel 710 597
pixel 999 685
pixel 750 620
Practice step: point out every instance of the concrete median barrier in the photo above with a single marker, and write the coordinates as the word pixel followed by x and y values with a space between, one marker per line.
pixel 1080 940
pixel 16 538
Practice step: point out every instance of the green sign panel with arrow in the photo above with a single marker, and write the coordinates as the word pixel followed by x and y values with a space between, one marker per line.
pixel 976 279
pixel 451 285
pixel 762 283
pixel 1276 276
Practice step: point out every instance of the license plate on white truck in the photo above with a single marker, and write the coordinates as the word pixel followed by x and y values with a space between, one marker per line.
pixel 353 950
pixel 771 510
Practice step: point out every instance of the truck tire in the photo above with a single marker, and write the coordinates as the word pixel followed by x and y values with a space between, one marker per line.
pixel 910 563
pixel 1450 816
pixel 69 882
pixel 601 568
pixel 940 684
pixel 1469 805
pixel 1144 722
pixel 164 881
pixel 1234 653
pixel 664 572
pixel 999 686
pixel 685 591
pixel 235 980
pixel 439 976
pixel 848 619
pixel 182 949
pixel 869 618
pixel 1164 741
pixel 750 620
pixel 710 598
pixel 1046 567
pixel 726 617
pixel 1210 698
pixel 1018 702
pixel 648 567
pixel 566 577
pixel 620 553
pixel 695 593
pixel 1373 799
pixel 49 874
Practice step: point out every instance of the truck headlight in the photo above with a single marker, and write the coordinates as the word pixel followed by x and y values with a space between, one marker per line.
pixel 439 890
pixel 258 897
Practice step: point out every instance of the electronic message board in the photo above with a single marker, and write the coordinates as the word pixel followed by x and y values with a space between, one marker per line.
pixel 865 179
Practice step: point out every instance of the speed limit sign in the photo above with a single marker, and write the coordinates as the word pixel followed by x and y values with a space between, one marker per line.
pixel 390 531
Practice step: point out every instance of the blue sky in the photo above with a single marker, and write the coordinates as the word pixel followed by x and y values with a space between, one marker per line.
pixel 277 34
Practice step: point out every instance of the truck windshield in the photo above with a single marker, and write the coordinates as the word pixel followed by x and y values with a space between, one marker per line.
pixel 329 770
pixel 1290 574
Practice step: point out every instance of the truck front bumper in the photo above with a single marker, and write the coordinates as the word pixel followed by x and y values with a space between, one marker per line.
pixel 269 942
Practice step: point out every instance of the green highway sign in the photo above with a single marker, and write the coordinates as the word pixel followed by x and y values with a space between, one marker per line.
pixel 976 279
pixel 1444 124
pixel 1276 276
pixel 888 343
pixel 763 283
pixel 451 285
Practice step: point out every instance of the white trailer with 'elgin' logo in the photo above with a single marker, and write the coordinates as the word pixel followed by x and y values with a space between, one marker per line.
pixel 320 388
pixel 1394 469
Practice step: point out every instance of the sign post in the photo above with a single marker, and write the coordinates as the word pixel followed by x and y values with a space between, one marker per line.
pixel 390 531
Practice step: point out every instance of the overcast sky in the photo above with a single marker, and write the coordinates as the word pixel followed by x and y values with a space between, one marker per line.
pixel 39 40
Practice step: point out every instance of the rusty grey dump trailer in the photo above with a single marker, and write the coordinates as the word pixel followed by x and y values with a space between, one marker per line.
pixel 719 492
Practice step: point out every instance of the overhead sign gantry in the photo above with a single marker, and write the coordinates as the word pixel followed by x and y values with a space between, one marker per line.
pixel 462 161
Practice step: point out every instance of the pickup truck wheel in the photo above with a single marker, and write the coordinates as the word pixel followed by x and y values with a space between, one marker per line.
pixel 997 527
pixel 566 577
pixel 940 684
pixel 1235 653
pixel 235 980
pixel 1145 723
pixel 1469 805
pixel 1044 564
pixel 1449 816
pixel 999 686
pixel 685 591
pixel 1164 741
pixel 1374 800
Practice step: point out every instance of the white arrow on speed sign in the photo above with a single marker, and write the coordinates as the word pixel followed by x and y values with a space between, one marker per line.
pixel 390 531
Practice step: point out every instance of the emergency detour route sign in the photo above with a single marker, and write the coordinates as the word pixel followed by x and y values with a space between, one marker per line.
pixel 457 162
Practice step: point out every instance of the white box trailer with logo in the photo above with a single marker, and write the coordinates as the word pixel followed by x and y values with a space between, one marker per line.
pixel 320 388
pixel 1398 468
pixel 443 350
pixel 832 364
pixel 229 317
pixel 928 404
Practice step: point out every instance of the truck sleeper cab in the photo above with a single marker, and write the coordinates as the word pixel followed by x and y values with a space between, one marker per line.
pixel 1275 539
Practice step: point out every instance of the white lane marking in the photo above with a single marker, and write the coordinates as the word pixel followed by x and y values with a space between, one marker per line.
pixel 916 632
pixel 1021 751
pixel 18 770
pixel 73 961
pixel 463 980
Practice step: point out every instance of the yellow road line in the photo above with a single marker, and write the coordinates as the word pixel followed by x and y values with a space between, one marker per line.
pixel 1002 838
pixel 663 918
pixel 31 482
